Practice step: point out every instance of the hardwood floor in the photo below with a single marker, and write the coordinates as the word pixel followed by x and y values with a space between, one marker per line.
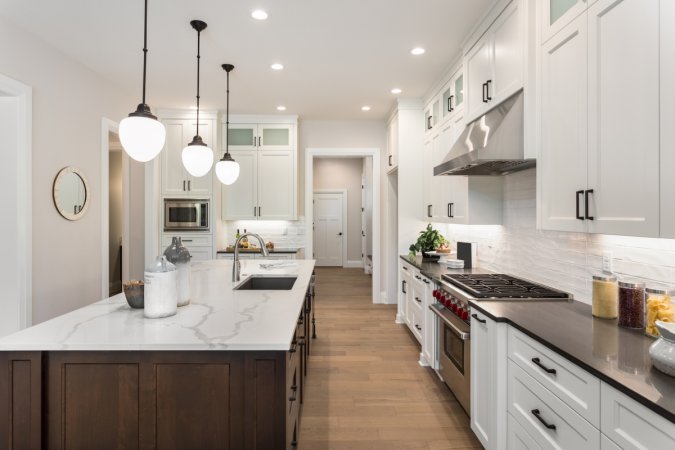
pixel 365 388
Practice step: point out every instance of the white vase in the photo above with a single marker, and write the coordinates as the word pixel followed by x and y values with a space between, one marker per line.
pixel 663 350
pixel 161 293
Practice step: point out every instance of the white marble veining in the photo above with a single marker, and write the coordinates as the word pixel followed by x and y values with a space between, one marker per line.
pixel 218 318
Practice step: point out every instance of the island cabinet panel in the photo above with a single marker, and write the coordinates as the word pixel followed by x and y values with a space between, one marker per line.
pixel 21 413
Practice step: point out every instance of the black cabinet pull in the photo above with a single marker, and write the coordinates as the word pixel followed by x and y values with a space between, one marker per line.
pixel 418 277
pixel 450 108
pixel 189 188
pixel 390 164
pixel 429 210
pixel 404 268
pixel 537 361
pixel 487 88
pixel 293 396
pixel 417 299
pixel 450 208
pixel 537 414
pixel 484 93
pixel 186 240
pixel 588 191
pixel 294 348
pixel 183 184
pixel 429 122
pixel 579 216
pixel 418 327
pixel 403 283
pixel 254 211
pixel 425 280
pixel 475 316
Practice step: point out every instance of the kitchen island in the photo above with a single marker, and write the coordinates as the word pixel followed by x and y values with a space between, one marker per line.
pixel 225 372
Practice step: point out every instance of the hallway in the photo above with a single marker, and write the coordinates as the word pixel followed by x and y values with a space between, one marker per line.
pixel 365 388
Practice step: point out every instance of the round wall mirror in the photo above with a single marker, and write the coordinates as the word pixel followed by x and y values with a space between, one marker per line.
pixel 71 193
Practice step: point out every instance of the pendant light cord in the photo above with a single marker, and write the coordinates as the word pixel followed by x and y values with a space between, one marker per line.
pixel 199 36
pixel 227 117
pixel 145 47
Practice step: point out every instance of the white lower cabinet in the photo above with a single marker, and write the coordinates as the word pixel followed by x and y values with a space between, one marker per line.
pixel 230 256
pixel 526 396
pixel 517 437
pixel 488 383
pixel 405 292
pixel 550 422
pixel 632 426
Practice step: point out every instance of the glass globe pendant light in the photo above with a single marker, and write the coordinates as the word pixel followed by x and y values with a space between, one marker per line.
pixel 141 134
pixel 227 169
pixel 197 156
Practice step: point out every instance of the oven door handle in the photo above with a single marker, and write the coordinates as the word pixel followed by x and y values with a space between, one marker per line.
pixel 463 335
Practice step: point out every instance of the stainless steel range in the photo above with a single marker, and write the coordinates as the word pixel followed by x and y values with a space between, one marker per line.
pixel 452 307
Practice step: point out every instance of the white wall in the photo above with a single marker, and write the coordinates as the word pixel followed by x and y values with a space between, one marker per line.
pixel 115 218
pixel 344 173
pixel 559 259
pixel 69 101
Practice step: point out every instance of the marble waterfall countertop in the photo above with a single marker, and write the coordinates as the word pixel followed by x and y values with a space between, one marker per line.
pixel 217 318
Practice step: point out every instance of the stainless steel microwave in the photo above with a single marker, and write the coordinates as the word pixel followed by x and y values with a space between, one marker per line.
pixel 186 214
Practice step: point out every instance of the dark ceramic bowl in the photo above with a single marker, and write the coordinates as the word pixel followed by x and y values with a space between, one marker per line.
pixel 133 291
pixel 431 257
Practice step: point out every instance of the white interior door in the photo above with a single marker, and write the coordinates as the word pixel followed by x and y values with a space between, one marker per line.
pixel 328 235
pixel 364 222
pixel 10 319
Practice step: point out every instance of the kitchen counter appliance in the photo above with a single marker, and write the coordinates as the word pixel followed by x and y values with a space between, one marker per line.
pixel 453 310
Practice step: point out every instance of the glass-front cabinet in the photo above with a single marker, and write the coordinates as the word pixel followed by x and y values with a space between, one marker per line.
pixel 260 136
pixel 453 96
pixel 558 13
pixel 431 114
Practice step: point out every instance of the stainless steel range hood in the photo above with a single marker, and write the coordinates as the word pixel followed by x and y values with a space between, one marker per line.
pixel 490 145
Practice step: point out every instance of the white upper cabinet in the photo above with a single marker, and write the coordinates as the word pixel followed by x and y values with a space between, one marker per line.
pixel 452 101
pixel 601 135
pixel 495 64
pixel 175 180
pixel 392 144
pixel 556 14
pixel 240 199
pixel 667 115
pixel 623 117
pixel 267 185
pixel 564 148
pixel 276 185
pixel 431 114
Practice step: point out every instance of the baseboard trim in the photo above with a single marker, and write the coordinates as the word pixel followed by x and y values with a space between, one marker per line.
pixel 354 264
pixel 399 319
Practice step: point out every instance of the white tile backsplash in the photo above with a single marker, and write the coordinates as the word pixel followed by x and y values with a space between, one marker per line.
pixel 559 259
pixel 283 233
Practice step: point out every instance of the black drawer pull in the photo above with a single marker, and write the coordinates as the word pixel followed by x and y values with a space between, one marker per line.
pixel 450 208
pixel 417 299
pixel 390 161
pixel 294 347
pixel 589 191
pixel 429 210
pixel 425 280
pixel 418 327
pixel 537 361
pixel 537 414
pixel 579 194
pixel 418 277
pixel 294 396
pixel 475 316
pixel 487 88
pixel 403 283
pixel 484 93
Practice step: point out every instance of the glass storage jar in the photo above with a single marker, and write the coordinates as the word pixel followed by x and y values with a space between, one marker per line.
pixel 605 296
pixel 632 304
pixel 659 305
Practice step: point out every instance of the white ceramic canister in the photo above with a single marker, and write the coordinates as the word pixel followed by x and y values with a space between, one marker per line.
pixel 161 293
pixel 663 350
pixel 179 255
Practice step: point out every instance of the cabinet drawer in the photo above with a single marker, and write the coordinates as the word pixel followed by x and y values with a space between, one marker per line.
pixel 631 425
pixel 189 240
pixel 518 438
pixel 416 323
pixel 538 410
pixel 573 385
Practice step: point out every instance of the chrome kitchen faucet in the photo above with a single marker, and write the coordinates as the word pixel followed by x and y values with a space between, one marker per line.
pixel 236 267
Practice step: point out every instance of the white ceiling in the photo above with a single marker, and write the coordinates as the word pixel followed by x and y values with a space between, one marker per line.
pixel 338 54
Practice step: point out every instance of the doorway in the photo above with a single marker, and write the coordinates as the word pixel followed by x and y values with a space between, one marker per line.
pixel 313 154
pixel 115 207
pixel 330 219
pixel 15 190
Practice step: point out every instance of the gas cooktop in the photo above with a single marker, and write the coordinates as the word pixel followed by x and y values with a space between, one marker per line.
pixel 499 286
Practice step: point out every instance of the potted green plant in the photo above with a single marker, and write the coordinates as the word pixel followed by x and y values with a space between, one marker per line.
pixel 429 240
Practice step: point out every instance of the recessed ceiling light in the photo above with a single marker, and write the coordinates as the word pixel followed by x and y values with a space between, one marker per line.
pixel 259 14
pixel 396 91
pixel 417 51
pixel 277 66
pixel 365 108
pixel 281 108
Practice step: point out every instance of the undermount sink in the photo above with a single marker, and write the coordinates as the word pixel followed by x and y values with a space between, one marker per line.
pixel 266 283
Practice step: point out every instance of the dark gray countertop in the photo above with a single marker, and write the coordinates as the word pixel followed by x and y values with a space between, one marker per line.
pixel 434 270
pixel 274 250
pixel 616 355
